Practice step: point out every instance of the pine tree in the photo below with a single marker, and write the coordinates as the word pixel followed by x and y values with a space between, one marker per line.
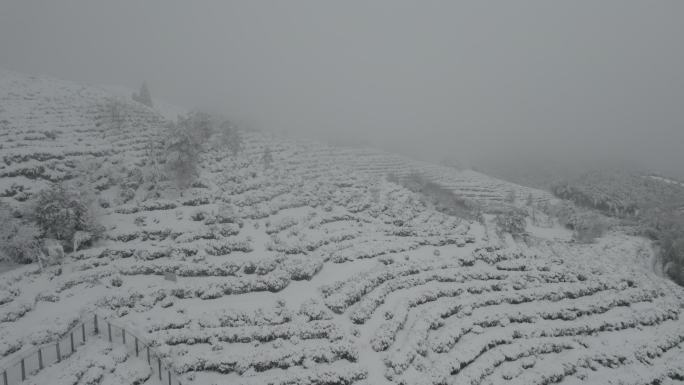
pixel 144 96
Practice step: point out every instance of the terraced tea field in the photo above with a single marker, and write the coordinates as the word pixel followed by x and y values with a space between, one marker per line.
pixel 314 269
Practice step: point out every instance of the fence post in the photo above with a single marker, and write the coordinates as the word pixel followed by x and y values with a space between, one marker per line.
pixel 158 366
pixel 4 378
pixel 96 330
pixel 71 338
pixel 109 331
pixel 136 346
pixel 123 335
pixel 148 355
pixel 40 358
pixel 83 332
pixel 59 354
pixel 23 370
pixel 169 372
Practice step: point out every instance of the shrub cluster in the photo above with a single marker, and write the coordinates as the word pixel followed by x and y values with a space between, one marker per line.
pixel 184 142
pixel 512 221
pixel 589 226
pixel 60 211
pixel 18 238
pixel 668 230
pixel 59 216
pixel 586 225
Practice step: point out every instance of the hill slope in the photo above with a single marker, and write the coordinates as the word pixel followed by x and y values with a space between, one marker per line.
pixel 315 269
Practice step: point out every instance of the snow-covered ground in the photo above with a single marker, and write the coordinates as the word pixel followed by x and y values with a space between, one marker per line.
pixel 315 270
pixel 98 362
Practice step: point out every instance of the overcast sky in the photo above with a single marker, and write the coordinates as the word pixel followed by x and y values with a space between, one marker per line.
pixel 471 81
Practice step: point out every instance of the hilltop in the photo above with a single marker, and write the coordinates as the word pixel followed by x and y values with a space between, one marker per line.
pixel 320 265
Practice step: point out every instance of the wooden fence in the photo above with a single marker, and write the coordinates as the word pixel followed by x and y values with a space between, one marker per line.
pixel 36 359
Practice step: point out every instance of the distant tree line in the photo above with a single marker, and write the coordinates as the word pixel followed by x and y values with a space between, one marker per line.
pixel 653 206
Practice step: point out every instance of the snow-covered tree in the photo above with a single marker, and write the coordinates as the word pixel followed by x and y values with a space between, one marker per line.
pixel 18 239
pixel 200 124
pixel 230 137
pixel 671 242
pixel 61 211
pixel 183 145
pixel 512 222
pixel 182 155
pixel 143 96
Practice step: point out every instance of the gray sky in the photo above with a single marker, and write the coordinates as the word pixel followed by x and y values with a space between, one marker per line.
pixel 475 81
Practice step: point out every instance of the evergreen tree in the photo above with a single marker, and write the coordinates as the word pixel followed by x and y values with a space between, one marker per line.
pixel 183 145
pixel 143 96
pixel 182 153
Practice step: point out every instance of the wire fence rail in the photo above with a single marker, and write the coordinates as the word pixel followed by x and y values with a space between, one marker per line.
pixel 40 357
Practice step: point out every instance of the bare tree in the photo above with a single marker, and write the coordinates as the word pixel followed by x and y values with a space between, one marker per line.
pixel 230 137
pixel 115 113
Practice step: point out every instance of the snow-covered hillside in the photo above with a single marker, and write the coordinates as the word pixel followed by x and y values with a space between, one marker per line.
pixel 165 109
pixel 315 270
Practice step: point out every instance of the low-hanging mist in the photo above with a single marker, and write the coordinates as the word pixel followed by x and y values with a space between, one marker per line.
pixel 476 83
